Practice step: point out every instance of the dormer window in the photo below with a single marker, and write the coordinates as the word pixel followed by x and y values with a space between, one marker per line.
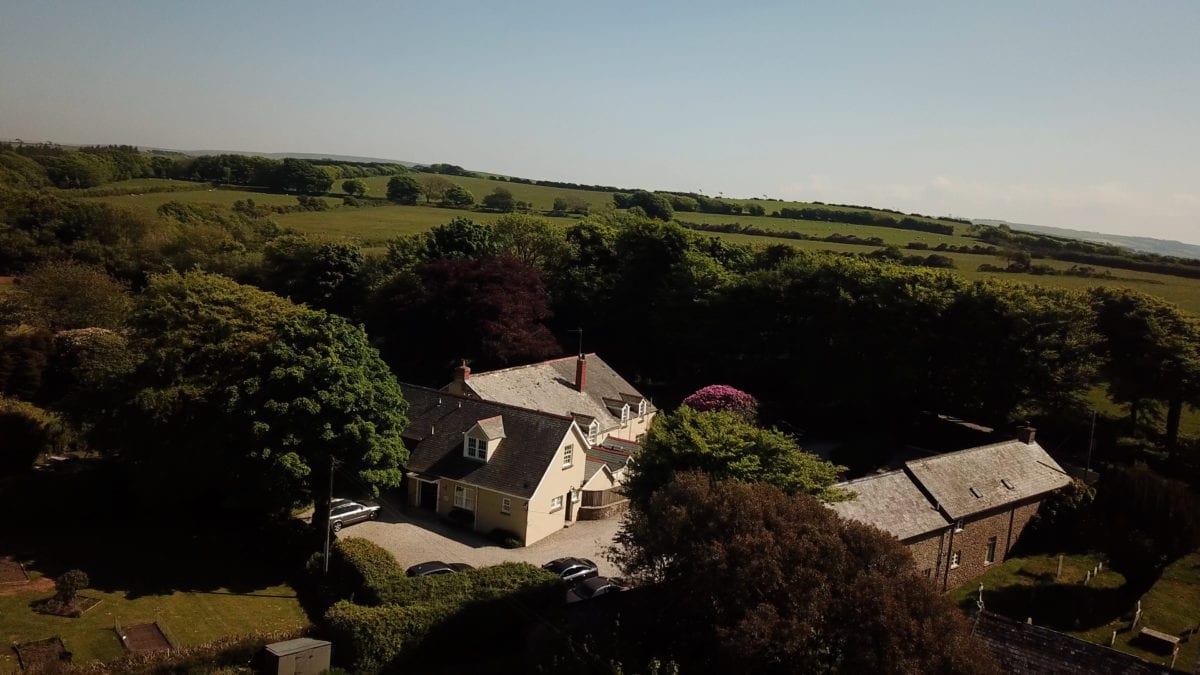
pixel 476 448
pixel 642 408
pixel 625 414
pixel 592 431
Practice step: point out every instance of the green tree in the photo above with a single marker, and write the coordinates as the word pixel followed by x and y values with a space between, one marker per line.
pixel 532 240
pixel 354 187
pixel 724 445
pixel 403 190
pixel 62 295
pixel 460 238
pixel 436 188
pixel 298 175
pixel 68 585
pixel 741 577
pixel 459 197
pixel 501 199
pixel 655 205
pixel 244 399
pixel 28 432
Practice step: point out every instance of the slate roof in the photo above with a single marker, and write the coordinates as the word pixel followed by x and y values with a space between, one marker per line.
pixel 978 479
pixel 550 386
pixel 891 502
pixel 1022 648
pixel 434 437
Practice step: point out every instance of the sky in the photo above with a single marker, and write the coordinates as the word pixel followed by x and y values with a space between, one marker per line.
pixel 1072 114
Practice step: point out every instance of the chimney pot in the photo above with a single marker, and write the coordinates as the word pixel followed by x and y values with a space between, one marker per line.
pixel 1026 434
pixel 581 373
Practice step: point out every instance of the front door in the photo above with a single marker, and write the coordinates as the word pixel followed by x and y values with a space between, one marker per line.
pixel 570 504
pixel 429 495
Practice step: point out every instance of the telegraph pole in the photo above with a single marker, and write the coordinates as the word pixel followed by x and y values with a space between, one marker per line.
pixel 325 558
pixel 1091 446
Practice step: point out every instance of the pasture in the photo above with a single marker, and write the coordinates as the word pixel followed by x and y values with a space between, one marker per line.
pixel 372 226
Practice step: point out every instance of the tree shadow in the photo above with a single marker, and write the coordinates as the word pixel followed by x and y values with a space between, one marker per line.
pixel 1063 607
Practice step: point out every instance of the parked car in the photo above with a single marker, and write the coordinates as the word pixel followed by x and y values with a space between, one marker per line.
pixel 593 588
pixel 436 567
pixel 573 570
pixel 344 512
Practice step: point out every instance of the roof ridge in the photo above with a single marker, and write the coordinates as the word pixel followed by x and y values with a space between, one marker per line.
pixel 530 365
pixel 874 476
pixel 973 449
pixel 498 404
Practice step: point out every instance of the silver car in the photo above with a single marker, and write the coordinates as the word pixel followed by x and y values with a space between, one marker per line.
pixel 344 512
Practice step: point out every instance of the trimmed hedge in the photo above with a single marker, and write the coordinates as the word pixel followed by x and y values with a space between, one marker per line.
pixel 361 568
pixel 370 638
pixel 425 618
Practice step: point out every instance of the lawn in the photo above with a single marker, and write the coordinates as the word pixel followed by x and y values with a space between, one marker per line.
pixel 189 618
pixel 814 228
pixel 1023 588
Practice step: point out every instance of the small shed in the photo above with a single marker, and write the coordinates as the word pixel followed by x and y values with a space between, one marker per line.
pixel 302 656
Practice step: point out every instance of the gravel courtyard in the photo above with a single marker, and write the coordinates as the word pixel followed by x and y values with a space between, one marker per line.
pixel 420 538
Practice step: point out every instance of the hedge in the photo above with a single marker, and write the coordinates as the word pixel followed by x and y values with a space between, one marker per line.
pixel 360 568
pixel 424 618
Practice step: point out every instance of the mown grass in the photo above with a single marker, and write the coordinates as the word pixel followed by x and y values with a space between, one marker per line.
pixel 147 203
pixel 1023 588
pixel 190 618
pixel 541 197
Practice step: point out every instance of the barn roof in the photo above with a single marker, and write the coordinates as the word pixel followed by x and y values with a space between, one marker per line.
pixel 891 502
pixel 978 479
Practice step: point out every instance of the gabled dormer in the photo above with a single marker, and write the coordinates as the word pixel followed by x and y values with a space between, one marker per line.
pixel 618 408
pixel 482 439
pixel 589 425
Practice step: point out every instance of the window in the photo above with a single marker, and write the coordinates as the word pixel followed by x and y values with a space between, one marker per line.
pixel 976 493
pixel 642 408
pixel 625 414
pixel 955 559
pixel 464 497
pixel 928 572
pixel 505 505
pixel 991 552
pixel 477 448
pixel 958 527
pixel 1007 483
pixel 555 504
pixel 568 456
pixel 593 429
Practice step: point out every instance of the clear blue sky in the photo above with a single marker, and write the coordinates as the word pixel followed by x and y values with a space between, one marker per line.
pixel 1075 114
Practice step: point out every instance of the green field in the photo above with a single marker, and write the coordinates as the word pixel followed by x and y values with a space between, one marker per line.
pixel 371 226
pixel 541 197
pixel 189 618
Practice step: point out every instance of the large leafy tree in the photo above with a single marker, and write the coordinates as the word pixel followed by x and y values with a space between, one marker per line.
pixel 245 399
pixel 1150 351
pixel 403 190
pixel 298 175
pixel 724 445
pixel 532 240
pixel 490 310
pixel 741 577
pixel 64 295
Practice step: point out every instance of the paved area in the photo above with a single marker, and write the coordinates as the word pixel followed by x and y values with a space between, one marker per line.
pixel 419 538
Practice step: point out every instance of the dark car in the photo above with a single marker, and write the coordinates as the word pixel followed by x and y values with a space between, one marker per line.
pixel 436 567
pixel 573 570
pixel 593 588
pixel 344 512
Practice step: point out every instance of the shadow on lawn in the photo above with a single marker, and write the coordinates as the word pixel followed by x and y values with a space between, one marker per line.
pixel 1064 607
pixel 83 519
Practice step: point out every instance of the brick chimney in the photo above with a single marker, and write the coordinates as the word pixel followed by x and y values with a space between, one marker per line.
pixel 581 373
pixel 462 373
pixel 1026 434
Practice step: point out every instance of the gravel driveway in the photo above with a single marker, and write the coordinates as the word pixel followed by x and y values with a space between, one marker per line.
pixel 418 538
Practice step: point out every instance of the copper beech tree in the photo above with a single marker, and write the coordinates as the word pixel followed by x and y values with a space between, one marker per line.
pixel 744 578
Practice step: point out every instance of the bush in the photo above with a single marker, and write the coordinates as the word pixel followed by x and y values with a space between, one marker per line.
pixel 462 516
pixel 69 584
pixel 371 638
pixel 723 397
pixel 505 538
pixel 360 568
pixel 484 583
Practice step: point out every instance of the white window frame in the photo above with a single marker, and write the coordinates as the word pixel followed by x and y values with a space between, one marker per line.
pixel 993 543
pixel 464 497
pixel 642 408
pixel 476 448
pixel 625 414
pixel 505 505
pixel 955 559
pixel 593 431
pixel 556 504
pixel 568 456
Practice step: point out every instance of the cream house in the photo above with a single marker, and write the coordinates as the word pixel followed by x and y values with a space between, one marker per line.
pixel 493 466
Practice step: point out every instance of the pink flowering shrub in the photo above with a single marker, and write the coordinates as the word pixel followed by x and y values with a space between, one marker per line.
pixel 723 397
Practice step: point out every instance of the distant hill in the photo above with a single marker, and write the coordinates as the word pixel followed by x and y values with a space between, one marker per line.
pixel 1143 244
pixel 293 155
